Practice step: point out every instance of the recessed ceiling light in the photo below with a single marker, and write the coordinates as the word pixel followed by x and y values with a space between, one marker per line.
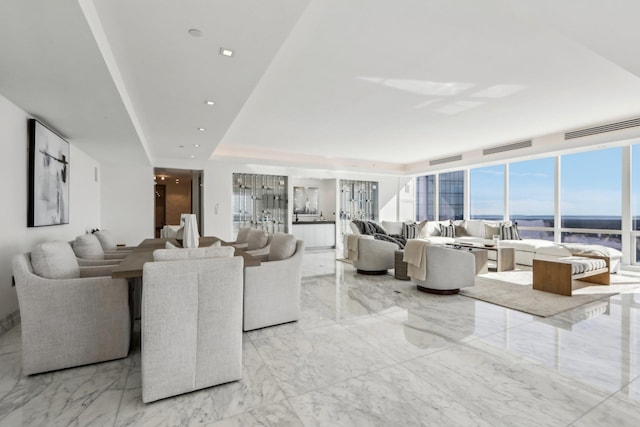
pixel 193 156
pixel 210 102
pixel 196 145
pixel 194 32
pixel 226 52
pixel 201 129
pixel 162 178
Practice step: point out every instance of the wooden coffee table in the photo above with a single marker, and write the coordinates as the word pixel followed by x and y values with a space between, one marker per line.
pixel 505 257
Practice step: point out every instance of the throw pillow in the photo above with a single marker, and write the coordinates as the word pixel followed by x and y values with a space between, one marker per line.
pixel 448 230
pixel 475 227
pixel 509 232
pixel 168 245
pixel 216 244
pixel 461 230
pixel 432 228
pixel 437 224
pixel 491 230
pixel 55 260
pixel 423 229
pixel 409 230
pixel 392 227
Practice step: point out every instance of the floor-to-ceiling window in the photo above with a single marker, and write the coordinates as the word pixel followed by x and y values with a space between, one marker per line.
pixel 451 195
pixel 591 197
pixel 425 200
pixel 531 197
pixel 487 192
pixel 635 200
pixel 588 187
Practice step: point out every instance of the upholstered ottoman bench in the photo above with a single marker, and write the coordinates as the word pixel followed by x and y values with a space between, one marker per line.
pixel 562 250
pixel 556 276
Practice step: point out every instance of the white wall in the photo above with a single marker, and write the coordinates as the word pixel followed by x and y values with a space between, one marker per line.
pixel 218 191
pixel 84 199
pixel 326 196
pixel 127 202
pixel 328 191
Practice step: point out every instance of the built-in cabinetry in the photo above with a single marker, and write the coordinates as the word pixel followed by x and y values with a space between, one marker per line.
pixel 358 200
pixel 316 234
pixel 260 201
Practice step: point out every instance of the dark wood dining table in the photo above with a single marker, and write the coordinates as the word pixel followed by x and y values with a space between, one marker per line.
pixel 131 266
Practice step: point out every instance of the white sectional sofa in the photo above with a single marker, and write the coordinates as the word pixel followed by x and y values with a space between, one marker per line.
pixel 526 250
pixel 478 232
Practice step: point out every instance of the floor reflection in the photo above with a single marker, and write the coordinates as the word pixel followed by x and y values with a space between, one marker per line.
pixel 373 351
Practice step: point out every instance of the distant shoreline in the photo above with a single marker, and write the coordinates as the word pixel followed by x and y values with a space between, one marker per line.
pixel 570 221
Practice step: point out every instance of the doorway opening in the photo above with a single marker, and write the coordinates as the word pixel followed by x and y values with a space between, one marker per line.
pixel 177 191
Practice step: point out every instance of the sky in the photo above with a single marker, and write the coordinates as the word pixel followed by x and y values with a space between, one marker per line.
pixel 591 185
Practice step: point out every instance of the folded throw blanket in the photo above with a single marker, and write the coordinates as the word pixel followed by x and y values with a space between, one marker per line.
pixel 368 227
pixel 352 246
pixel 398 240
pixel 414 252
pixel 413 256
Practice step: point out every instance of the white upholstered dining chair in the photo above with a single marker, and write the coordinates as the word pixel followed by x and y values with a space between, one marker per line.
pixel 70 315
pixel 191 324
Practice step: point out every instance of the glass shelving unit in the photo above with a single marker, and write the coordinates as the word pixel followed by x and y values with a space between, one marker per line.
pixel 260 201
pixel 358 200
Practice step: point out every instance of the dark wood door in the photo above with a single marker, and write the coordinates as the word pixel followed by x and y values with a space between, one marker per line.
pixel 161 207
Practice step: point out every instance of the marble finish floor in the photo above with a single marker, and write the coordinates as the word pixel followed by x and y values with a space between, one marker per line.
pixel 373 351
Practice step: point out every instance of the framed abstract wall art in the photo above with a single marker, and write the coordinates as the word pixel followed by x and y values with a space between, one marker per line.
pixel 305 200
pixel 48 177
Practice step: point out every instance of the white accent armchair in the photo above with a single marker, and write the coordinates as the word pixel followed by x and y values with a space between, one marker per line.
pixel 272 290
pixel 368 255
pixel 445 270
pixel 70 315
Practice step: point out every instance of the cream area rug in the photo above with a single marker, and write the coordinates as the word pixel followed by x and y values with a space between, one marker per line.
pixel 513 289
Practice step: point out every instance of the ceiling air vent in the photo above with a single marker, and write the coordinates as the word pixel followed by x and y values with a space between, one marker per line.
pixel 445 160
pixel 507 147
pixel 602 129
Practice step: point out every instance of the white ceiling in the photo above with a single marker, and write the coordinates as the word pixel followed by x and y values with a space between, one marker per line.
pixel 50 67
pixel 324 81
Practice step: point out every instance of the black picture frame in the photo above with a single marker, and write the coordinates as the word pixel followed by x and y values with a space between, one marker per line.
pixel 49 177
